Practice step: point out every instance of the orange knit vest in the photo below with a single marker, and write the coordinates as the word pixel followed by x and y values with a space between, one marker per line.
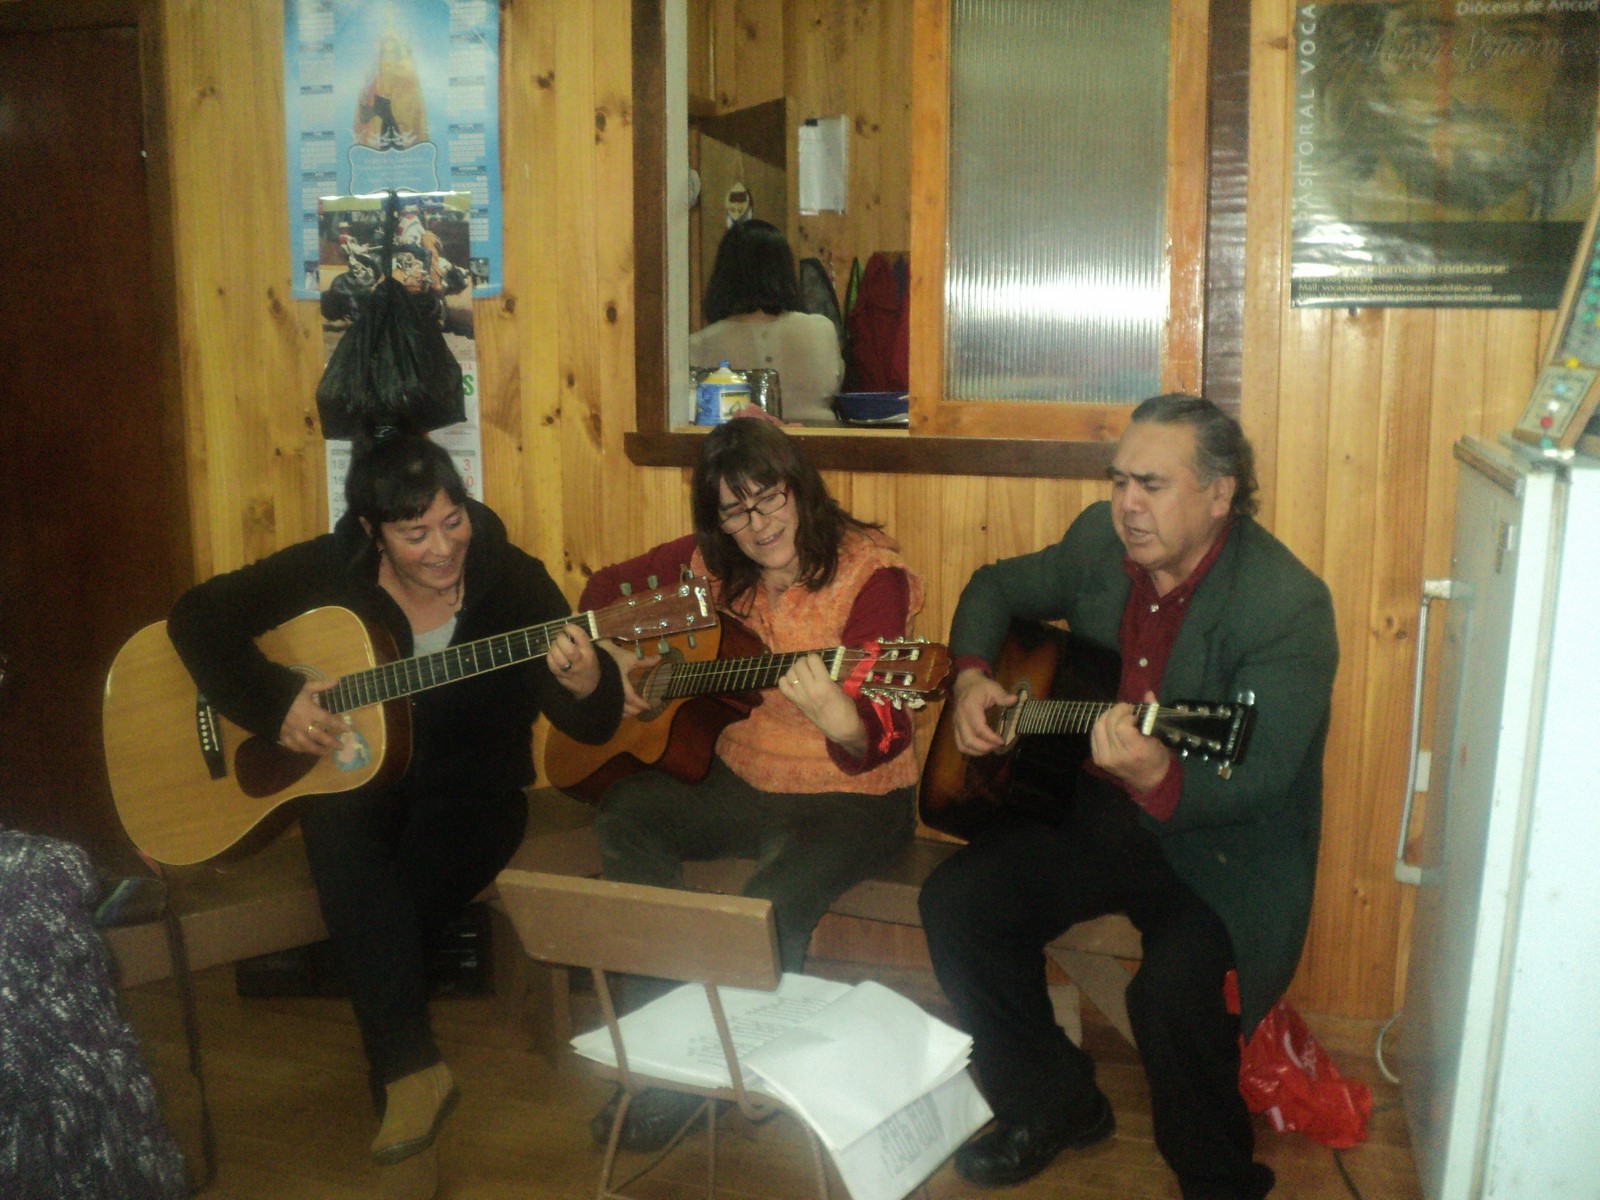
pixel 776 748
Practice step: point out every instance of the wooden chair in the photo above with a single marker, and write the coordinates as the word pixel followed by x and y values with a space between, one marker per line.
pixel 691 937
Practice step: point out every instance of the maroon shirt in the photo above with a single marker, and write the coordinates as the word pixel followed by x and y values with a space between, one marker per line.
pixel 1149 628
pixel 1150 625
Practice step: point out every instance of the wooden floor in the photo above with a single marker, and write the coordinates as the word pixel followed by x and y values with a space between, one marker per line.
pixel 288 1095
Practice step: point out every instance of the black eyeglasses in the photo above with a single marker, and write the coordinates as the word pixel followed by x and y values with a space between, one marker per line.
pixel 767 506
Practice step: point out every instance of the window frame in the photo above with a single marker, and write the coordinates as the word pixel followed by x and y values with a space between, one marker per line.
pixel 998 438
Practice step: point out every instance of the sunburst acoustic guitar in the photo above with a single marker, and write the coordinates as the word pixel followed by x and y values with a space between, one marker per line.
pixel 1066 682
pixel 190 785
pixel 697 691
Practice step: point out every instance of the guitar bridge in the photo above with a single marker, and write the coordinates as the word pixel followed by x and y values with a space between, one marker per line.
pixel 209 735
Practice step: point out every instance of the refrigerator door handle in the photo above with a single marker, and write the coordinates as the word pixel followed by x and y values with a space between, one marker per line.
pixel 1432 589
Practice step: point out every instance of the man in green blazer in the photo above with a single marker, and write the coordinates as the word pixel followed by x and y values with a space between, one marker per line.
pixel 1215 872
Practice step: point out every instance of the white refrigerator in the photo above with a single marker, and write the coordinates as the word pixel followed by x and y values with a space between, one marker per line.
pixel 1498 1046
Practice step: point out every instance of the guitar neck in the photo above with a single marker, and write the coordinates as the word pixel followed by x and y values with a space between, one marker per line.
pixel 405 676
pixel 1069 716
pixel 673 680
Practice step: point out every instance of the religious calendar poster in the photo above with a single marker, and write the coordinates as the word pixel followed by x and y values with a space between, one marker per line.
pixel 399 95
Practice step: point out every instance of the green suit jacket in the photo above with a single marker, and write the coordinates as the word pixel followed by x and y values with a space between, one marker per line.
pixel 1260 622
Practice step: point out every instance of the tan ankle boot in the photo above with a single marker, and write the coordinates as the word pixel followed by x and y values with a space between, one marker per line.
pixel 414 1178
pixel 415 1107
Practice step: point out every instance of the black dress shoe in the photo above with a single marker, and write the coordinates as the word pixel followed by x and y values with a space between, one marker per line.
pixel 1011 1153
pixel 654 1117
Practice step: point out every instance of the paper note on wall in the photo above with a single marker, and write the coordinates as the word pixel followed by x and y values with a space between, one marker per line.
pixel 824 165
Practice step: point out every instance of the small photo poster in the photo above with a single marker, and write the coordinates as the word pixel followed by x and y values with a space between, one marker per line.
pixel 433 237
pixel 403 95
pixel 1443 154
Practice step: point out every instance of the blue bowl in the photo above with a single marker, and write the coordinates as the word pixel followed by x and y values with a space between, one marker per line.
pixel 875 408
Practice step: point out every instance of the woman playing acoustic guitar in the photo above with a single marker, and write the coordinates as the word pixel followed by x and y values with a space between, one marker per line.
pixel 813 784
pixel 416 557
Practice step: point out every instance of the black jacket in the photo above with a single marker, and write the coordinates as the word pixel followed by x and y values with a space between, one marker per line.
pixel 471 737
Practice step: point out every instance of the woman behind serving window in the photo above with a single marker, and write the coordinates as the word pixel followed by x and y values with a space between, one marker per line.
pixel 752 302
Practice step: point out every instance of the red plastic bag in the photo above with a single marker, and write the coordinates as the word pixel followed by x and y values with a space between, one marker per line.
pixel 1284 1074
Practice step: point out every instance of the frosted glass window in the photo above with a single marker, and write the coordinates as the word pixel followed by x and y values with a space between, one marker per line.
pixel 1055 278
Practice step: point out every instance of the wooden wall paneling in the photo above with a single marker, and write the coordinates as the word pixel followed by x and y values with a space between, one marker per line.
pixel 1183 334
pixel 875 497
pixel 197 117
pixel 697 23
pixel 517 335
pixel 1512 344
pixel 581 209
pixel 282 381
pixel 930 167
pixel 1317 343
pixel 1009 526
pixel 948 538
pixel 1349 429
pixel 762 48
pixel 613 251
pixel 248 189
pixel 1396 553
pixel 892 61
pixel 1266 240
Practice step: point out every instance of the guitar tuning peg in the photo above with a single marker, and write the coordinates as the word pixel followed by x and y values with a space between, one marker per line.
pixel 651 582
pixel 690 636
pixel 1183 752
pixel 625 588
pixel 638 650
pixel 661 646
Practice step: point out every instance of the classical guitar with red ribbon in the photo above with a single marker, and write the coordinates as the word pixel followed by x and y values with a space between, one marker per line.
pixel 700 688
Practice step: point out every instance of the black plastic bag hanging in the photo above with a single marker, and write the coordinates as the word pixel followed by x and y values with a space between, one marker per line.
pixel 393 366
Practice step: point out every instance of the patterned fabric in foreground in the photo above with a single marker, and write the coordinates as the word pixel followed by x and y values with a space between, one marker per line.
pixel 78 1113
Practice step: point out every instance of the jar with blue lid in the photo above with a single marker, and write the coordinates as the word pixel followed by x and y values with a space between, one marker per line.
pixel 720 394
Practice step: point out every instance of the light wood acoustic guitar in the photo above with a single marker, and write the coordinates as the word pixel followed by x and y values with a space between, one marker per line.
pixel 190 785
pixel 696 692
pixel 1066 682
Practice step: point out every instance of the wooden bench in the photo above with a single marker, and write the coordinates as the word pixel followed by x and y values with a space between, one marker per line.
pixel 266 903
pixel 1089 953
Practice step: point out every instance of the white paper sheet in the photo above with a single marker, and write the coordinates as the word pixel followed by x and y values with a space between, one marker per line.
pixel 883 1084
pixel 824 152
pixel 904 1150
pixel 868 1054
pixel 674 1036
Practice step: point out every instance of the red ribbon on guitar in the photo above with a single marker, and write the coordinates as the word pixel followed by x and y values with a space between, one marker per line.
pixel 852 683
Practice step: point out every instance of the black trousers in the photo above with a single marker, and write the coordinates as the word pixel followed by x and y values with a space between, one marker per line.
pixel 990 910
pixel 391 871
pixel 809 849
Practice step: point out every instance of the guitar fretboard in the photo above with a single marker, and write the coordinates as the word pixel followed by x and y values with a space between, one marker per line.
pixel 1068 716
pixel 675 680
pixel 405 676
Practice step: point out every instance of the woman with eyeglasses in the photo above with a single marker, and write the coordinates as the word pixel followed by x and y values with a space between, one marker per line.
pixel 815 785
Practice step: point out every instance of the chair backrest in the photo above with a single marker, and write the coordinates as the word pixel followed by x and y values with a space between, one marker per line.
pixel 693 937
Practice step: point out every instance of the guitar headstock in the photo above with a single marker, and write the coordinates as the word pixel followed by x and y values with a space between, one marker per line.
pixel 901 673
pixel 681 607
pixel 1215 732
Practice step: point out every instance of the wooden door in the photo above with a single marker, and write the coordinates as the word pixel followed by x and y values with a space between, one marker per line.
pixel 93 542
